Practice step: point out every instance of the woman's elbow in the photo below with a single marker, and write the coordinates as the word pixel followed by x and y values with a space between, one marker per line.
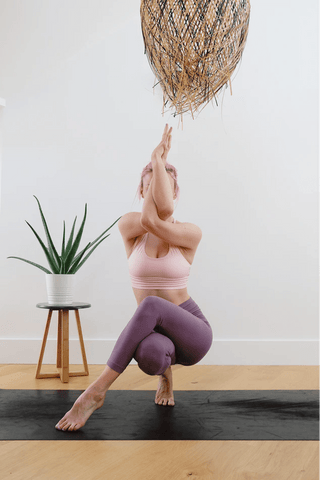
pixel 165 214
pixel 145 221
pixel 148 223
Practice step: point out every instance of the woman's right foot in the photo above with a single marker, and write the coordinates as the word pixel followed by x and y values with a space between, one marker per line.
pixel 164 395
pixel 89 401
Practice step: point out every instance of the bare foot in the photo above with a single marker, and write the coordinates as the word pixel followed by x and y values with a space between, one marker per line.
pixel 164 395
pixel 89 401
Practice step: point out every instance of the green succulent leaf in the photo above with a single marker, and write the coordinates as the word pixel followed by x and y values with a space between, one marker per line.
pixel 51 246
pixel 76 242
pixel 32 263
pixel 77 260
pixel 63 248
pixel 69 244
pixel 90 253
pixel 62 267
pixel 80 253
pixel 54 267
pixel 103 233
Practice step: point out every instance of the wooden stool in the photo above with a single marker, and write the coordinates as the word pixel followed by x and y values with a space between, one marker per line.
pixel 63 341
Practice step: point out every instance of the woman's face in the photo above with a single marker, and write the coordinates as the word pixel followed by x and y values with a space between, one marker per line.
pixel 147 180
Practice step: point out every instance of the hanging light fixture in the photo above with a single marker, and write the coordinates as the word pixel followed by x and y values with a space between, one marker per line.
pixel 193 47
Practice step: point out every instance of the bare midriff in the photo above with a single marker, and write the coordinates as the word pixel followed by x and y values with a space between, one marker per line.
pixel 174 296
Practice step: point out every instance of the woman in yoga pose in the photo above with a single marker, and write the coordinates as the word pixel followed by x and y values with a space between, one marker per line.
pixel 168 327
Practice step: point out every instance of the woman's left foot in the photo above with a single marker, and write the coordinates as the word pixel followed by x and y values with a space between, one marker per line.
pixel 164 395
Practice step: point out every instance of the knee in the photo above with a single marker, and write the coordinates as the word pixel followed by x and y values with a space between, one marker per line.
pixel 149 303
pixel 152 360
pixel 148 309
pixel 154 367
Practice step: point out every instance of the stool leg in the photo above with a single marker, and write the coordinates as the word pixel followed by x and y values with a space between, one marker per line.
pixel 44 341
pixel 65 347
pixel 84 358
pixel 59 339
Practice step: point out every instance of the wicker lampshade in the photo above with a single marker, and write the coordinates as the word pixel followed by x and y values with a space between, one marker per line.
pixel 193 47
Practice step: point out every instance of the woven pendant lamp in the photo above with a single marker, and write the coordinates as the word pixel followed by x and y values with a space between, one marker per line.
pixel 193 47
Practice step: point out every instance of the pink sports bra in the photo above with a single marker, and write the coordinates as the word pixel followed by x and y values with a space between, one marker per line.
pixel 168 273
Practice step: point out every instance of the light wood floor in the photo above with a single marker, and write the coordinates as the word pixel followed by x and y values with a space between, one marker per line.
pixel 164 460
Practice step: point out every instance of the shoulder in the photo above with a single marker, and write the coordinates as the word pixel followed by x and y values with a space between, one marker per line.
pixel 130 227
pixel 129 220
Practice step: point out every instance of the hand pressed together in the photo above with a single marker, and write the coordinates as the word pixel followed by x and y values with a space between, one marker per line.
pixel 162 150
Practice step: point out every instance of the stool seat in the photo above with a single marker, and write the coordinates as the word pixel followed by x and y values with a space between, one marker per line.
pixel 57 306
pixel 63 341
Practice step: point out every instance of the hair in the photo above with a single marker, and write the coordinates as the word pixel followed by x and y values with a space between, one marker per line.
pixel 169 168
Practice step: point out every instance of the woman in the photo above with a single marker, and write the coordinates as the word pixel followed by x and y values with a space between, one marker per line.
pixel 168 327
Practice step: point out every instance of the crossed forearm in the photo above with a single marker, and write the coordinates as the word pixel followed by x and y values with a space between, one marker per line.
pixel 161 189
pixel 149 213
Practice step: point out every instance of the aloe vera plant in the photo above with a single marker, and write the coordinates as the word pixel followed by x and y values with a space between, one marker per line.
pixel 68 262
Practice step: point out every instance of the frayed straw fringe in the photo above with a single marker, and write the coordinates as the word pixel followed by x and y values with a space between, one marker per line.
pixel 193 47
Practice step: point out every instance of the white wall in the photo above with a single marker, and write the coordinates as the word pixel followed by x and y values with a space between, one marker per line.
pixel 80 124
pixel 2 106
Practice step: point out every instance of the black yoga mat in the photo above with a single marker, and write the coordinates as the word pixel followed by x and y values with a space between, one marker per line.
pixel 197 415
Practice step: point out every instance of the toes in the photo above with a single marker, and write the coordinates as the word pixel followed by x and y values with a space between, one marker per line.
pixel 164 401
pixel 65 426
pixel 69 427
pixel 74 427
pixel 60 425
pixel 159 400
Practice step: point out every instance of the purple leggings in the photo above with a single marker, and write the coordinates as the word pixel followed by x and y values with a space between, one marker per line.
pixel 161 334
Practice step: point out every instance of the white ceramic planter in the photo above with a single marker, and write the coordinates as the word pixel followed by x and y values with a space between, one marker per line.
pixel 60 289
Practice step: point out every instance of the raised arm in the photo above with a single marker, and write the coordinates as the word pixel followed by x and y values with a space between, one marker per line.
pixel 161 187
